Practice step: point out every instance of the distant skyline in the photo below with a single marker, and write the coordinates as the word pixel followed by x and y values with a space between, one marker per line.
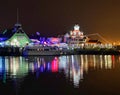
pixel 56 17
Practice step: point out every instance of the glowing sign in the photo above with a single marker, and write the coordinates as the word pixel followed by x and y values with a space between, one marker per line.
pixel 54 40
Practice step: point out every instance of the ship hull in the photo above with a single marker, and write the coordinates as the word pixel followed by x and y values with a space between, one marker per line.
pixel 38 50
pixel 41 53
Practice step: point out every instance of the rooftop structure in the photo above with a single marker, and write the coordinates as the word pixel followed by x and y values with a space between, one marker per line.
pixel 76 33
pixel 75 37
pixel 15 36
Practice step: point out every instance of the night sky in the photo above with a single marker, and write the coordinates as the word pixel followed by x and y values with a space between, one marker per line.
pixel 56 17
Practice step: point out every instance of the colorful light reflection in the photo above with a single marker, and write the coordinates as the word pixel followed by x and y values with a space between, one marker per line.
pixel 73 66
pixel 55 65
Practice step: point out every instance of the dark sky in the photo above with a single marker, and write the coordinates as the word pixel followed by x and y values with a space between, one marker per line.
pixel 54 17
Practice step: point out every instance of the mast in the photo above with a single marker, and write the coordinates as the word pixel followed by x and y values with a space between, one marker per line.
pixel 17 18
pixel 17 15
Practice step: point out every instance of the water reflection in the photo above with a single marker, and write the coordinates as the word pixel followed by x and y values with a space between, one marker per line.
pixel 74 66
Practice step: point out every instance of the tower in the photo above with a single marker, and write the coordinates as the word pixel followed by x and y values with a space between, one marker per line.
pixel 77 37
pixel 19 37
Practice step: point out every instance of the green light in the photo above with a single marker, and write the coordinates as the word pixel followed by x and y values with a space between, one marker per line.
pixel 19 39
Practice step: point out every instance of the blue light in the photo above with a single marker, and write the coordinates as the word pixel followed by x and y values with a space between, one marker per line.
pixel 3 38
pixel 35 66
pixel 1 64
pixel 48 66
pixel 0 67
pixel 41 68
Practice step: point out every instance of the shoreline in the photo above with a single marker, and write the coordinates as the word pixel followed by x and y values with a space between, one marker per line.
pixel 16 51
pixel 93 52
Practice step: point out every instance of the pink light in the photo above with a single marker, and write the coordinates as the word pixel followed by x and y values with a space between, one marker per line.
pixel 55 65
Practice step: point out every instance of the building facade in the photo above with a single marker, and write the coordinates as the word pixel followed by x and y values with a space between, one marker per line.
pixel 75 38
pixel 15 37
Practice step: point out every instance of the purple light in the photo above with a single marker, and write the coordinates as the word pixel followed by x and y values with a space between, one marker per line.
pixel 48 66
pixel 38 33
pixel 41 68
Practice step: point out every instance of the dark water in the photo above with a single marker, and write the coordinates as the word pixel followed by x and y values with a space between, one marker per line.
pixel 63 75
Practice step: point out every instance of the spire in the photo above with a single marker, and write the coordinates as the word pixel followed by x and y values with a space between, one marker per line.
pixel 17 18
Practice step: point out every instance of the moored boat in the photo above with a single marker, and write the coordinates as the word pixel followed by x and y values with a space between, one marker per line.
pixel 41 50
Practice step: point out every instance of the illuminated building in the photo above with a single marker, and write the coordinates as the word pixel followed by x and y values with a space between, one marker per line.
pixel 76 37
pixel 15 37
pixel 76 33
